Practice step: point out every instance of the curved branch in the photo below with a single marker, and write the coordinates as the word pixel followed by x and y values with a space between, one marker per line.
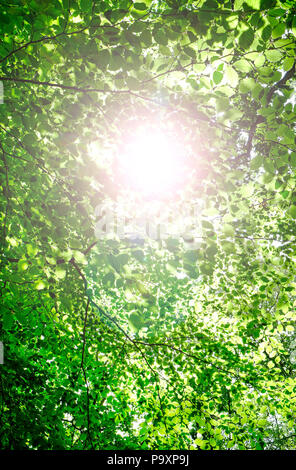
pixel 269 96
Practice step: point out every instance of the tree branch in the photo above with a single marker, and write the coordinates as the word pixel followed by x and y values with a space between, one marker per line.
pixel 269 96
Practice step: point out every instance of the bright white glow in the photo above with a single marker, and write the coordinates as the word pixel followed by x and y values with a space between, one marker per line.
pixel 101 155
pixel 151 162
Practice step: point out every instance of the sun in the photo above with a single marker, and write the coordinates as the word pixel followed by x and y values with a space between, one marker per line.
pixel 150 161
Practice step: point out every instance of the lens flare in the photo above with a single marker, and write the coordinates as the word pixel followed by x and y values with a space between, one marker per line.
pixel 150 162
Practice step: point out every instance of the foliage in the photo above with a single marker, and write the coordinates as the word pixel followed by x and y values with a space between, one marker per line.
pixel 116 344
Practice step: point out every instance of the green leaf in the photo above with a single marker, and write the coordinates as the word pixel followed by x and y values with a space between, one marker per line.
pixel 294 25
pixel 288 63
pixel 103 58
pixel 135 321
pixel 228 230
pixel 246 39
pixel 266 33
pixel 293 159
pixel 146 38
pixel 86 5
pixel 255 4
pixel 109 279
pixel 276 12
pixel 279 30
pixel 80 257
pixel 217 77
pixel 259 60
pixel 247 190
pixel 274 55
pixel 256 162
pixel 32 250
pixel 39 285
pixel 243 65
pixel 160 37
pixel 292 211
pixel 190 52
pixel 247 84
pixel 190 256
pixel 22 265
pixel 60 272
pixel 267 4
pixel 132 83
pixel 140 6
pixel 231 76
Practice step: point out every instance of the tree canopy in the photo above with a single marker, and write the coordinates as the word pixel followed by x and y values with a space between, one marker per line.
pixel 181 342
